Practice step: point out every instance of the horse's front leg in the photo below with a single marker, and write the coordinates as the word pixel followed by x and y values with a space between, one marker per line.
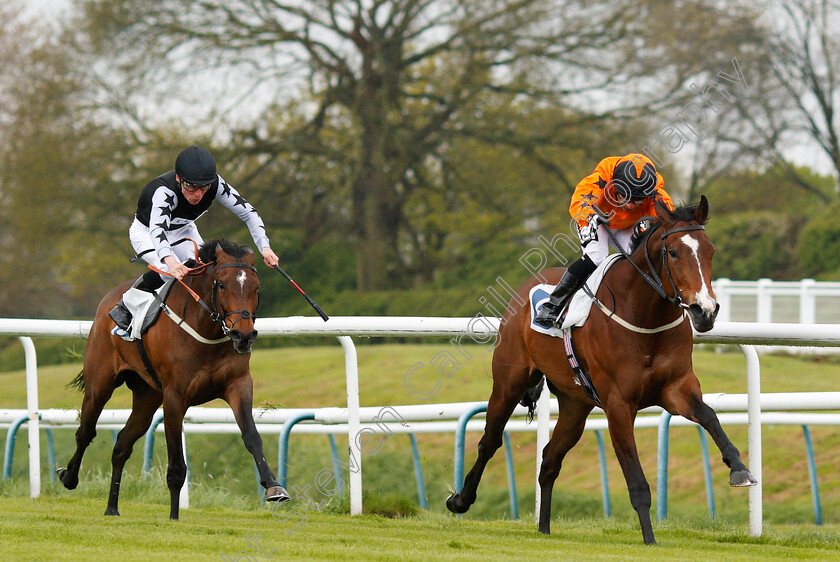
pixel 239 395
pixel 174 409
pixel 686 399
pixel 620 417
pixel 739 474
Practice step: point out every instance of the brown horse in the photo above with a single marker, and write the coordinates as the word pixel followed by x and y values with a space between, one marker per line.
pixel 183 371
pixel 629 370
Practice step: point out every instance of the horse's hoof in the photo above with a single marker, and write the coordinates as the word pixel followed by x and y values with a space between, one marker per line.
pixel 63 475
pixel 546 530
pixel 741 479
pixel 277 493
pixel 455 504
pixel 114 511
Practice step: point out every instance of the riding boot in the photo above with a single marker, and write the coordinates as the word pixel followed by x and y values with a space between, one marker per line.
pixel 147 282
pixel 572 280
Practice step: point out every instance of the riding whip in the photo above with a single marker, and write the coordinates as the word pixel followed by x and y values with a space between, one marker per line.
pixel 317 308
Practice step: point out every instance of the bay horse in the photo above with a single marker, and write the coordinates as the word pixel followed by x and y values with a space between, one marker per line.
pixel 182 371
pixel 629 369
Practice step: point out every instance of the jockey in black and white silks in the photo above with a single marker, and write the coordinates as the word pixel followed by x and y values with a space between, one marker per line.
pixel 166 213
pixel 170 204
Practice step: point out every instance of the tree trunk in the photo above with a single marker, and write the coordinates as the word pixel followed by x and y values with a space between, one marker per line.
pixel 375 209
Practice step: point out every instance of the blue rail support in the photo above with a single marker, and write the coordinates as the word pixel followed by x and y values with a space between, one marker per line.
pixel 707 471
pixel 149 444
pixel 514 501
pixel 11 435
pixel 336 471
pixel 418 474
pixel 812 473
pixel 336 463
pixel 602 461
pixel 149 447
pixel 283 445
pixel 662 469
pixel 460 436
pixel 458 461
pixel 50 454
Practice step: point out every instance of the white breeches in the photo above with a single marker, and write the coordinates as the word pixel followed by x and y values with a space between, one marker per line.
pixel 599 248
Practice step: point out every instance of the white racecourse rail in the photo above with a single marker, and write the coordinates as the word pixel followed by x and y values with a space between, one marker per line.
pixel 481 330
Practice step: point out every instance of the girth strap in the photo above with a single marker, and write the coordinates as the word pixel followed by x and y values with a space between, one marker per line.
pixel 581 376
pixel 147 363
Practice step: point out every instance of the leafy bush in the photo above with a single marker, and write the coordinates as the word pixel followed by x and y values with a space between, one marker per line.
pixel 819 245
pixel 753 245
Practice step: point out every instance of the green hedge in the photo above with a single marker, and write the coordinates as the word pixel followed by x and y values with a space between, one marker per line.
pixel 819 245
pixel 752 245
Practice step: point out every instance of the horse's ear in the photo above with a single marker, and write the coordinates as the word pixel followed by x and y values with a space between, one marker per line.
pixel 702 212
pixel 662 211
pixel 219 252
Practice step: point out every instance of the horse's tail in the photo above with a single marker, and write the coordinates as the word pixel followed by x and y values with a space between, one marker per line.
pixel 531 397
pixel 78 383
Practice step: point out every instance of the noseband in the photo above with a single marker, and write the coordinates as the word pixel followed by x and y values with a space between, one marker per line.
pixel 220 316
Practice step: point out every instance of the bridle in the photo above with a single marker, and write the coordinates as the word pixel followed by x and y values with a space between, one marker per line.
pixel 213 309
pixel 654 279
pixel 220 316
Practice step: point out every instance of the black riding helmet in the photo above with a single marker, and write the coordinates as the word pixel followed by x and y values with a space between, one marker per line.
pixel 633 183
pixel 195 165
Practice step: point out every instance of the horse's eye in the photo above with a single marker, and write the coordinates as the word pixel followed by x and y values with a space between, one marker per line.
pixel 673 253
pixel 221 285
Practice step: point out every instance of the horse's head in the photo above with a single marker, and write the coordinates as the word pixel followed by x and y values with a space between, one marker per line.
pixel 686 259
pixel 236 294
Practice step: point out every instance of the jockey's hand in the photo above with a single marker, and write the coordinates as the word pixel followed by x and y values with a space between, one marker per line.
pixel 269 257
pixel 176 268
pixel 589 231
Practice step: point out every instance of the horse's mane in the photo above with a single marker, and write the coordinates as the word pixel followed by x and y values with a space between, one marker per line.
pixel 207 252
pixel 682 212
pixel 685 212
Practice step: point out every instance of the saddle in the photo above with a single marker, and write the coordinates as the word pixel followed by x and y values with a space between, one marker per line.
pixel 145 309
pixel 573 315
pixel 577 310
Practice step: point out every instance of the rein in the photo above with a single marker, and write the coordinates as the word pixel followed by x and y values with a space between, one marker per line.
pixel 213 308
pixel 653 279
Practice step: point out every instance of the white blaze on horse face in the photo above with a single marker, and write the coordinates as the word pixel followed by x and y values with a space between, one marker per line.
pixel 241 278
pixel 704 297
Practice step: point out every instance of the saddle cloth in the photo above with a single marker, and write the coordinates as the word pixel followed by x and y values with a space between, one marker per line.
pixel 578 309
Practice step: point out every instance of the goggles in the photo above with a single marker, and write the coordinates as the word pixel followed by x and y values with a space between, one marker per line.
pixel 192 187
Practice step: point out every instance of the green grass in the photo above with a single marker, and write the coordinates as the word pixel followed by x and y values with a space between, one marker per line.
pixel 223 475
pixel 67 528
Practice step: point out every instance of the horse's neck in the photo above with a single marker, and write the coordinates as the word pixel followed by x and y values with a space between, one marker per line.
pixel 639 297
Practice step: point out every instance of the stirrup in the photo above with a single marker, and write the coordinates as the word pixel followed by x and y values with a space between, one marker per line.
pixel 121 316
pixel 547 315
